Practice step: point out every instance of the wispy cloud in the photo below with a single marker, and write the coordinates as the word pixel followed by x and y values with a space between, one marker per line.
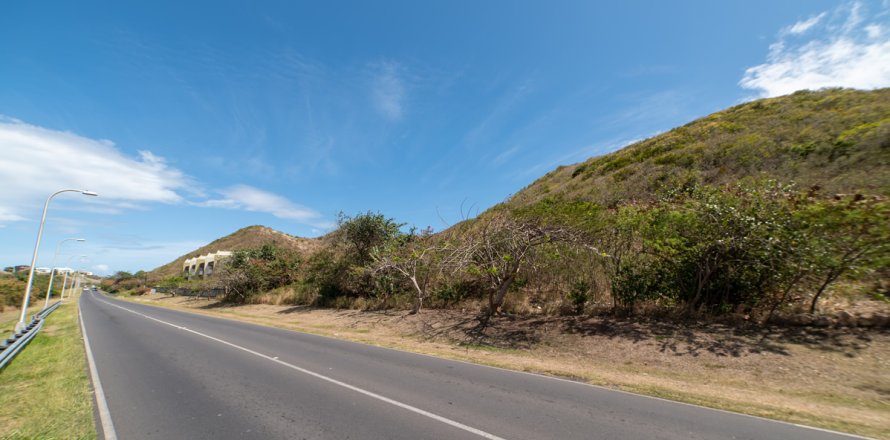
pixel 388 90
pixel 852 50
pixel 37 161
pixel 248 198
pixel 804 25
pixel 504 155
pixel 504 105
pixel 147 253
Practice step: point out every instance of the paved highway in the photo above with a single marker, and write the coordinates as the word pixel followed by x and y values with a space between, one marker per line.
pixel 166 374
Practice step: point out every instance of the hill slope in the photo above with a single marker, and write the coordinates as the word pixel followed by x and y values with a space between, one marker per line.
pixel 249 237
pixel 838 139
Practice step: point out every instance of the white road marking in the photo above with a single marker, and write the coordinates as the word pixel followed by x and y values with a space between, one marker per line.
pixel 371 394
pixel 104 413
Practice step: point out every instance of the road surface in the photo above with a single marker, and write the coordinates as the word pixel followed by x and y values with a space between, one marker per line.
pixel 166 374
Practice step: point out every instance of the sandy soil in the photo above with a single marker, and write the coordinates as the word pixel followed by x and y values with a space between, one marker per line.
pixel 835 378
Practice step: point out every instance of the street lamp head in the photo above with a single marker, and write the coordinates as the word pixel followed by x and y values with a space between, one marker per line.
pixel 87 192
pixel 80 239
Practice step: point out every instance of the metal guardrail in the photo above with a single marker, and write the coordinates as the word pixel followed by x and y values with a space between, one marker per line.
pixel 12 345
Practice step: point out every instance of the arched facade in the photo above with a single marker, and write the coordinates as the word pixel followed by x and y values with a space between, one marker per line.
pixel 203 265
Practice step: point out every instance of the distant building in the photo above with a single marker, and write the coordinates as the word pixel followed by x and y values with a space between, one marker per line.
pixel 203 265
pixel 21 268
pixel 42 270
pixel 64 270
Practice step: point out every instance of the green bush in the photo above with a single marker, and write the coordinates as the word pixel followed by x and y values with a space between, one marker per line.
pixel 257 270
pixel 579 295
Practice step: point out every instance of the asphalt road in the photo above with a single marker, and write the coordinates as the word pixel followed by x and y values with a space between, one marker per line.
pixel 174 375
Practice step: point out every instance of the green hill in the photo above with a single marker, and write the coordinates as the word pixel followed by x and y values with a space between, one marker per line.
pixel 837 139
pixel 244 238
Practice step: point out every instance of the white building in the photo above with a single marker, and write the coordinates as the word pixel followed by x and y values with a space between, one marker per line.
pixel 203 265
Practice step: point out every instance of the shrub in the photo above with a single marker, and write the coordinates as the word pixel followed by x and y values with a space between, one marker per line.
pixel 579 295
pixel 252 271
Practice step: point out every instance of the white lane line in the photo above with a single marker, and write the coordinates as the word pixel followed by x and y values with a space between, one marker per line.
pixel 104 413
pixel 543 376
pixel 371 394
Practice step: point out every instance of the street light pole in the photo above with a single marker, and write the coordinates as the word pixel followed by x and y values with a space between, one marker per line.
pixel 21 324
pixel 52 272
pixel 65 281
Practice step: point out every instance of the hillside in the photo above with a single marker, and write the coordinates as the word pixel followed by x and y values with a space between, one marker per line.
pixel 838 139
pixel 244 238
pixel 713 248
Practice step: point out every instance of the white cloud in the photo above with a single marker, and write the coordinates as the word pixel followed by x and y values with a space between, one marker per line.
pixel 36 162
pixel 805 25
pixel 849 55
pixel 874 31
pixel 103 268
pixel 249 198
pixel 388 90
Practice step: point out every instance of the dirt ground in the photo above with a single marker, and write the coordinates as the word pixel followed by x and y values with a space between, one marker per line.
pixel 834 378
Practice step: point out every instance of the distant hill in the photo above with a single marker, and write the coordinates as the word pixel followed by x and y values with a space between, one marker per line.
pixel 838 139
pixel 244 238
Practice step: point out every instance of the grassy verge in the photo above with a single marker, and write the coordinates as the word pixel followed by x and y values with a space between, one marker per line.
pixel 840 383
pixel 45 389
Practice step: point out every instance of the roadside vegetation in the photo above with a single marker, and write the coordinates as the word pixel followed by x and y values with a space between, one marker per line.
pixel 12 288
pixel 752 251
pixel 121 281
pixel 45 389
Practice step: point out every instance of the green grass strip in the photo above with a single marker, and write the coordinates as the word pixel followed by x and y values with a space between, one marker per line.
pixel 45 390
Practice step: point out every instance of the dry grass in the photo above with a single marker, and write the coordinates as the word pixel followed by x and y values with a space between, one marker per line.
pixel 45 390
pixel 830 378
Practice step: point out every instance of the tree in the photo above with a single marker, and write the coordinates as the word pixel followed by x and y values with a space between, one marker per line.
pixel 499 247
pixel 142 276
pixel 419 258
pixel 122 275
pixel 363 232
pixel 848 235
pixel 715 248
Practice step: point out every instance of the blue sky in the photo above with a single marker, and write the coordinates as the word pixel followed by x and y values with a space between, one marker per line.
pixel 194 119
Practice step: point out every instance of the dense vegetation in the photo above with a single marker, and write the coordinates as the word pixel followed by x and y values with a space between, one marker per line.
pixel 13 285
pixel 760 208
pixel 126 282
